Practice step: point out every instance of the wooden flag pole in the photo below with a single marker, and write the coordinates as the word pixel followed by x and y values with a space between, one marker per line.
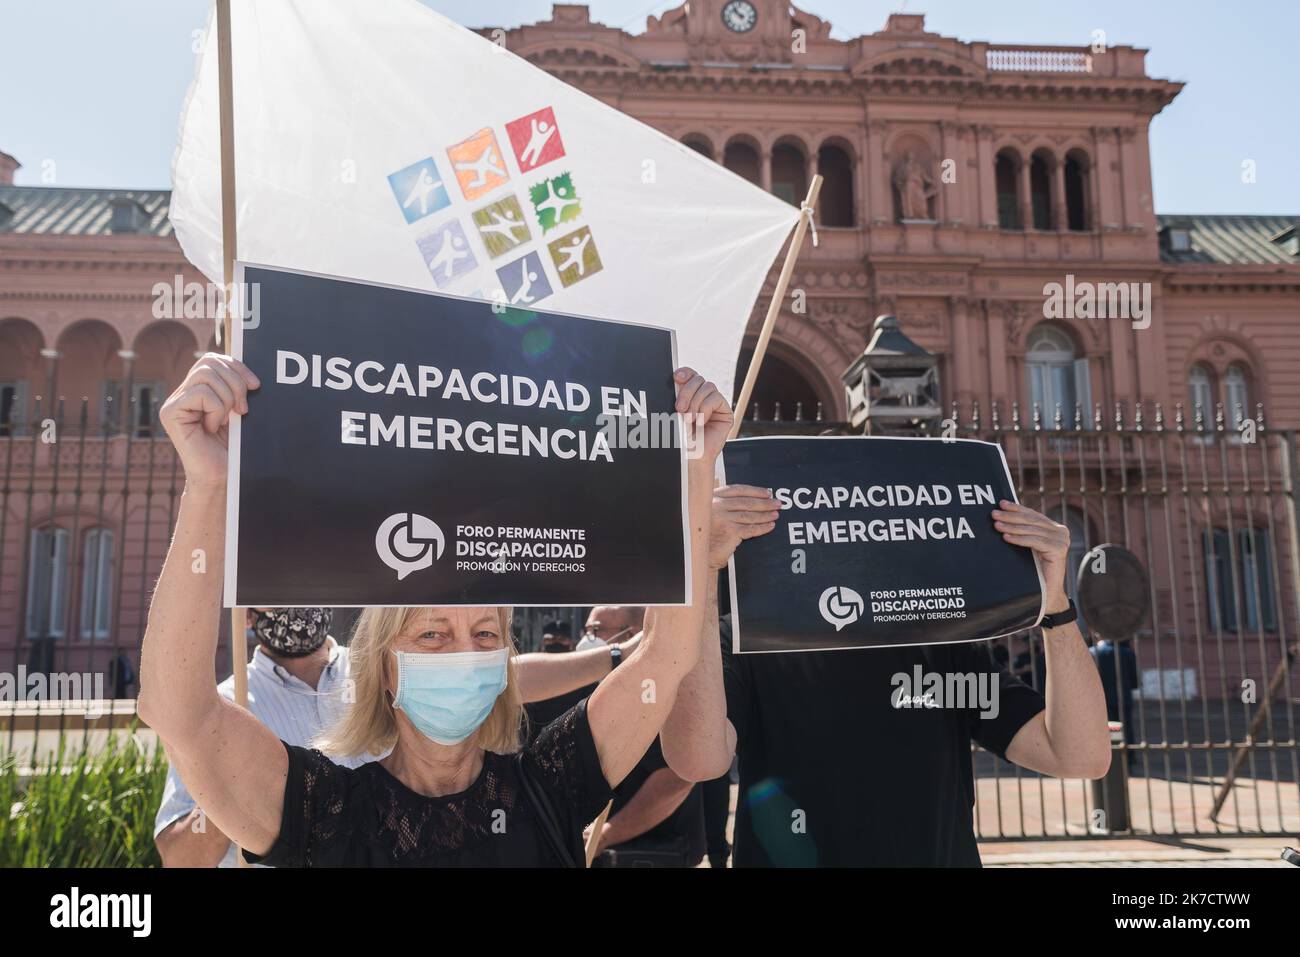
pixel 225 86
pixel 594 839
pixel 225 92
pixel 774 307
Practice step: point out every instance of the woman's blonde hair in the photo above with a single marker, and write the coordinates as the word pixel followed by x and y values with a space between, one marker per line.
pixel 368 724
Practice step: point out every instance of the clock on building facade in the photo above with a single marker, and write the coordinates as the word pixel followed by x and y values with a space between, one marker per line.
pixel 739 16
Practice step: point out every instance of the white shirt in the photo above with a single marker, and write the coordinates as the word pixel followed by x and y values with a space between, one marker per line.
pixel 294 711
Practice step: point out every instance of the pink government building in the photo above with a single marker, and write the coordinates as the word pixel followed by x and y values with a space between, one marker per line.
pixel 960 179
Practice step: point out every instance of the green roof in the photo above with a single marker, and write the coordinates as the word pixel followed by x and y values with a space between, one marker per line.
pixel 1228 240
pixel 56 211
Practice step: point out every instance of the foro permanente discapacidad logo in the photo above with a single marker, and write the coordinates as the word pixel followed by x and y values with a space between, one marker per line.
pixel 840 605
pixel 407 542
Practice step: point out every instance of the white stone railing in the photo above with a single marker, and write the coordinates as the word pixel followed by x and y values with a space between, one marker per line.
pixel 1030 60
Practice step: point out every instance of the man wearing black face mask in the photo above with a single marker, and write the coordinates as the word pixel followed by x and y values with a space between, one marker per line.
pixel 557 637
pixel 297 680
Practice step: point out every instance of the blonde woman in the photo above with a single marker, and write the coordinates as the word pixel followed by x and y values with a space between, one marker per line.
pixel 436 685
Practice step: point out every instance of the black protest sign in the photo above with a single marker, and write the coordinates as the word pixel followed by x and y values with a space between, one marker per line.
pixel 409 448
pixel 880 541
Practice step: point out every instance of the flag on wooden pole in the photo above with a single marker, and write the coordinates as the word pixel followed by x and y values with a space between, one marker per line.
pixel 384 142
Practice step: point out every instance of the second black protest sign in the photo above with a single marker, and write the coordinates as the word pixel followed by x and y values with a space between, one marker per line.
pixel 880 541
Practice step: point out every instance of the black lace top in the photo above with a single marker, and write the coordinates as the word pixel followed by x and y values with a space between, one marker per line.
pixel 364 817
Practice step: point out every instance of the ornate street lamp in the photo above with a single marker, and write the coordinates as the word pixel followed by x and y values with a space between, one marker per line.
pixel 893 387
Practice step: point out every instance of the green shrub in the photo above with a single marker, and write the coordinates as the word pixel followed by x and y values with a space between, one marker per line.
pixel 87 810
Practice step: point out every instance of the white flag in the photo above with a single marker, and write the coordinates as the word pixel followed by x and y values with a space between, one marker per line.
pixel 381 141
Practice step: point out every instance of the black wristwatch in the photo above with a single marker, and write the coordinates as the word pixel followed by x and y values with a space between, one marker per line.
pixel 1061 617
pixel 615 656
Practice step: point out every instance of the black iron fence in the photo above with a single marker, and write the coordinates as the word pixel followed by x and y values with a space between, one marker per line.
pixel 1206 500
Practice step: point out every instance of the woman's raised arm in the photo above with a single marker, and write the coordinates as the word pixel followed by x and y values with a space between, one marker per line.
pixel 628 709
pixel 232 763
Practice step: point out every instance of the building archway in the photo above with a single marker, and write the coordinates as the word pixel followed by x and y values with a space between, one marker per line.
pixel 741 157
pixel 1041 165
pixel 1006 171
pixel 789 172
pixel 21 374
pixel 784 391
pixel 164 352
pixel 89 366
pixel 1077 198
pixel 700 143
pixel 835 204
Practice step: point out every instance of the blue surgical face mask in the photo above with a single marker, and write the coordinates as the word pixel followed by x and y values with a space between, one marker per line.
pixel 447 696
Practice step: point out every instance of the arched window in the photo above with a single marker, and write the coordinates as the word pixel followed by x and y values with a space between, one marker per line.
pixel 47 583
pixel 835 203
pixel 1005 168
pixel 699 144
pixel 742 159
pixel 1200 394
pixel 21 368
pixel 789 173
pixel 13 407
pixel 1236 397
pixel 1076 191
pixel 97 584
pixel 1056 376
pixel 1040 191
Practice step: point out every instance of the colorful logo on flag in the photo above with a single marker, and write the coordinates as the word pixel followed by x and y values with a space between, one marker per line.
pixel 555 201
pixel 575 256
pixel 524 281
pixel 502 226
pixel 446 253
pixel 536 139
pixel 419 190
pixel 479 164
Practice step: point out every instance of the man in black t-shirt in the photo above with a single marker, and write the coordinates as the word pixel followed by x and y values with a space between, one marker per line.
pixel 653 810
pixel 638 833
pixel 834 769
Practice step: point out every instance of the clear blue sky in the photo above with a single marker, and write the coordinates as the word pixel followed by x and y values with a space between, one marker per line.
pixel 95 88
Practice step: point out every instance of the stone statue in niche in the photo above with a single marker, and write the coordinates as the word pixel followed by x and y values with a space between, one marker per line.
pixel 915 188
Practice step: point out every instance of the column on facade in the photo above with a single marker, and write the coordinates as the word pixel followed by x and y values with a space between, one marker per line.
pixel 1026 194
pixel 996 342
pixel 941 204
pixel 1123 371
pixel 987 172
pixel 1060 219
pixel 965 206
pixel 878 175
pixel 1105 180
pixel 50 404
pixel 1144 202
pixel 122 416
pixel 862 202
pixel 965 373
pixel 1127 176
pixel 765 167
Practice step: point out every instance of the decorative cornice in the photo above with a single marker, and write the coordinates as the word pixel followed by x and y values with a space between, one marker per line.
pixel 1152 95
